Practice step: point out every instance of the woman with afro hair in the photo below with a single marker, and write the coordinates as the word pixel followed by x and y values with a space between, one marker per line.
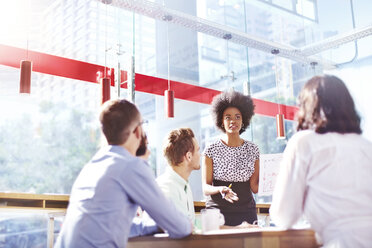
pixel 231 164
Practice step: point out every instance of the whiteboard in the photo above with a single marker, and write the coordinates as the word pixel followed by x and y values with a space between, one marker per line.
pixel 269 169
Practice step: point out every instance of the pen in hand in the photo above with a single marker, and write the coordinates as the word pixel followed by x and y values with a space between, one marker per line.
pixel 224 194
pixel 226 191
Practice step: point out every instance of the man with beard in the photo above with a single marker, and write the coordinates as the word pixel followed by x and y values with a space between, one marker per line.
pixel 109 189
pixel 143 152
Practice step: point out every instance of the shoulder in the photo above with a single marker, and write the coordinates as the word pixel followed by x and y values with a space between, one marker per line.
pixel 214 144
pixel 365 145
pixel 139 164
pixel 304 136
pixel 134 167
pixel 117 158
pixel 250 144
pixel 212 148
pixel 166 184
pixel 304 142
pixel 164 179
pixel 252 149
pixel 363 140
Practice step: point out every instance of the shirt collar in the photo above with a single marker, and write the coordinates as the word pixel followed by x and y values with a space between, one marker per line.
pixel 174 175
pixel 118 149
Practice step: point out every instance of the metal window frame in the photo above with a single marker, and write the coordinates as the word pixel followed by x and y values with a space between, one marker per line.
pixel 305 55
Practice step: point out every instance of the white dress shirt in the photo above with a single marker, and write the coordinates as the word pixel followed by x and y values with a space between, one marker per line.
pixel 328 178
pixel 178 190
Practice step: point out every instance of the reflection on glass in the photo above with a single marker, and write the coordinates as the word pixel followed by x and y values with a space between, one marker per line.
pixel 56 130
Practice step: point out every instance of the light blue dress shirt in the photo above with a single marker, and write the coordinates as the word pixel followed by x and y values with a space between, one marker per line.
pixel 104 200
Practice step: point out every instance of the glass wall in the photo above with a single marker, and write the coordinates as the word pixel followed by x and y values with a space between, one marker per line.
pixel 47 137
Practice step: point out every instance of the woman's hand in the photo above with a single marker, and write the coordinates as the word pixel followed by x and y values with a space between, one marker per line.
pixel 228 194
pixel 209 189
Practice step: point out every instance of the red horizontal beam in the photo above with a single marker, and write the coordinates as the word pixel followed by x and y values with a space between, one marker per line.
pixel 79 70
pixel 53 65
pixel 189 92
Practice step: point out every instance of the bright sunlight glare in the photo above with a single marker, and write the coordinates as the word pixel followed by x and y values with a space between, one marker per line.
pixel 14 20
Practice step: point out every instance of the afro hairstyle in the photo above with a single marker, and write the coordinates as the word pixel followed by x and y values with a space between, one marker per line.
pixel 232 99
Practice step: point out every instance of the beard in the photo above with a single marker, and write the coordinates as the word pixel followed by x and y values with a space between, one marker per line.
pixel 142 147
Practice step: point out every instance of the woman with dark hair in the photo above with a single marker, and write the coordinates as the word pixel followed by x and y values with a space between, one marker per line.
pixel 327 168
pixel 231 164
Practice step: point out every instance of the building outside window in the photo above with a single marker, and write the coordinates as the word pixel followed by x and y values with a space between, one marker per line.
pixel 47 137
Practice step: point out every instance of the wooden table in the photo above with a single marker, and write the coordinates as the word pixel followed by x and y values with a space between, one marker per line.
pixel 236 238
pixel 33 201
pixel 53 205
pixel 57 202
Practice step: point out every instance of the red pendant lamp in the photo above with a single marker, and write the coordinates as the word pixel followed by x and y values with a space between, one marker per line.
pixel 105 89
pixel 106 80
pixel 25 79
pixel 169 103
pixel 168 94
pixel 280 126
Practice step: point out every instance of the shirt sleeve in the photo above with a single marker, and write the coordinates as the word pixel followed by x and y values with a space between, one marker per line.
pixel 208 151
pixel 143 226
pixel 256 152
pixel 290 188
pixel 142 188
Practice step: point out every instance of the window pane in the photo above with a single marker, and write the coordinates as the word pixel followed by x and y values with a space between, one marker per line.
pixel 46 138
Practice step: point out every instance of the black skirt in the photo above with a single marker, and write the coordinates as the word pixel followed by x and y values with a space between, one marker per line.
pixel 235 213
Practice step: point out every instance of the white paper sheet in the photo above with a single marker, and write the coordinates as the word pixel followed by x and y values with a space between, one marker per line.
pixel 269 169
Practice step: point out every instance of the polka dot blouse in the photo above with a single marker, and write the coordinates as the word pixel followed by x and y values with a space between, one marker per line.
pixel 233 164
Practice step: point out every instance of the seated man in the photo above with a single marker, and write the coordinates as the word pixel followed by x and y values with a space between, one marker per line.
pixel 106 194
pixel 182 152
pixel 181 149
